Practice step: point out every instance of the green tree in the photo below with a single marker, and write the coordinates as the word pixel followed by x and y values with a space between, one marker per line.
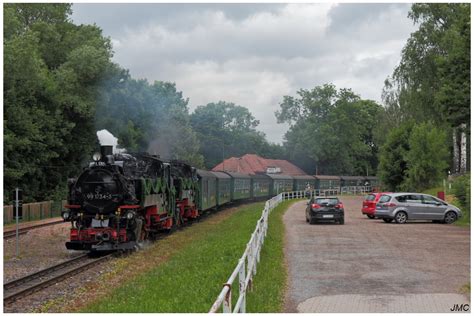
pixel 427 157
pixel 393 165
pixel 334 128
pixel 52 72
pixel 432 81
pixel 227 130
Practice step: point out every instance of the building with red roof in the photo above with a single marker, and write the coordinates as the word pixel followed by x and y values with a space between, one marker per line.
pixel 254 164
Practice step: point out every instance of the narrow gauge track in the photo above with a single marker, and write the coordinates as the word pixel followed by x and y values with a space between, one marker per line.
pixel 34 282
pixel 24 230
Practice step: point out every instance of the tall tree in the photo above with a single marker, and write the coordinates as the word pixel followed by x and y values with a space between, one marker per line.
pixel 227 130
pixel 393 167
pixel 427 157
pixel 432 81
pixel 334 128
pixel 52 72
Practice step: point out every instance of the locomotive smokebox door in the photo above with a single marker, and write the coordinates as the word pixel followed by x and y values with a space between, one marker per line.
pixel 105 151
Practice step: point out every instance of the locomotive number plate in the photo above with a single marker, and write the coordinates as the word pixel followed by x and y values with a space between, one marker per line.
pixel 98 223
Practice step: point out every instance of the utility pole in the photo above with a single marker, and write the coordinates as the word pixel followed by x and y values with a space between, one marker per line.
pixel 17 196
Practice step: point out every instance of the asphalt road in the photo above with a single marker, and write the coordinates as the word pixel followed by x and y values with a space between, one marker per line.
pixel 371 266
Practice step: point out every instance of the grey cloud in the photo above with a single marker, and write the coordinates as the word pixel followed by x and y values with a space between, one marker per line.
pixel 114 18
pixel 345 17
pixel 253 55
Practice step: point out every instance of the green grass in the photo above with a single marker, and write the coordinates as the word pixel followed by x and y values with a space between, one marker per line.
pixel 466 214
pixel 192 278
pixel 267 295
pixel 434 191
pixel 466 288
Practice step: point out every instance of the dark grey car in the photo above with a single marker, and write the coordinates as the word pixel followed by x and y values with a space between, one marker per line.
pixel 325 209
pixel 415 206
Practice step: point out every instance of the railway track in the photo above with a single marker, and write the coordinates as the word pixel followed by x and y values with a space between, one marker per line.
pixel 34 282
pixel 24 230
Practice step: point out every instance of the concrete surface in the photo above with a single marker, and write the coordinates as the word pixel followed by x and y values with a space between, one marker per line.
pixel 371 266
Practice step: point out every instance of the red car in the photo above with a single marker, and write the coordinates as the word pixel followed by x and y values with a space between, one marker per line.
pixel 368 206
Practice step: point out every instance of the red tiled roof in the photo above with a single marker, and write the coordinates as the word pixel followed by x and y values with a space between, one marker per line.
pixel 254 164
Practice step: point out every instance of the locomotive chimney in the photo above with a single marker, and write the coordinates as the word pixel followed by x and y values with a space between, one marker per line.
pixel 106 151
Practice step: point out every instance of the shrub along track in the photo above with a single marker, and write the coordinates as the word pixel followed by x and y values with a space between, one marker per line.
pixel 184 272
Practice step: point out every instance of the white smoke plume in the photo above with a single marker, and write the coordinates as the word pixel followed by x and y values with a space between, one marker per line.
pixel 107 138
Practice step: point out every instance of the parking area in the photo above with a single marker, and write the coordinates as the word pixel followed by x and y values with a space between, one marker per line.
pixel 371 266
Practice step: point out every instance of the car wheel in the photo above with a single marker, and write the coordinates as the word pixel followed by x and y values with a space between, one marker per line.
pixel 450 217
pixel 401 217
pixel 370 216
pixel 307 220
pixel 312 221
pixel 341 221
pixel 387 220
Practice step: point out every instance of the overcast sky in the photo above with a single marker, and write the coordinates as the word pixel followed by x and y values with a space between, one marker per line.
pixel 254 54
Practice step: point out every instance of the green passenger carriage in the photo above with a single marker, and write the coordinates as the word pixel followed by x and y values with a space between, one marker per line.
pixel 207 190
pixel 240 185
pixel 304 182
pixel 223 187
pixel 352 181
pixel 261 186
pixel 280 183
pixel 328 182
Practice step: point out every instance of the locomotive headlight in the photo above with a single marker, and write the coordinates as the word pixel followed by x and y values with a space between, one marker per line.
pixel 130 215
pixel 65 215
pixel 96 157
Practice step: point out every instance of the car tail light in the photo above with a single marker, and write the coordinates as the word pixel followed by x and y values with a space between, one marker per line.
pixel 340 205
pixel 314 205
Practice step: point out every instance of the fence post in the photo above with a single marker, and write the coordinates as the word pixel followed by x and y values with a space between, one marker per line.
pixel 242 285
pixel 254 250
pixel 227 306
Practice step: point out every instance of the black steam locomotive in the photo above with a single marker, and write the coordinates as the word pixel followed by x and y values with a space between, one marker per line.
pixel 120 200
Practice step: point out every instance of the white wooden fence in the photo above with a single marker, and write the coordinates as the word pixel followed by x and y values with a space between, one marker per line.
pixel 247 266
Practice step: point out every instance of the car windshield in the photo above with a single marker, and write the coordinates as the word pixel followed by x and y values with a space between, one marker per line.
pixel 384 198
pixel 327 201
pixel 370 197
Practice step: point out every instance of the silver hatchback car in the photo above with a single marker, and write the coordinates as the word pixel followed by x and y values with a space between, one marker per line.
pixel 415 206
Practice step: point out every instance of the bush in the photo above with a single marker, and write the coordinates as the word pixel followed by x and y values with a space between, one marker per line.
pixel 462 189
pixel 427 158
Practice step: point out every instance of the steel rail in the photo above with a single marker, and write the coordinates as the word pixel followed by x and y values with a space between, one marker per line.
pixel 24 230
pixel 35 275
pixel 36 286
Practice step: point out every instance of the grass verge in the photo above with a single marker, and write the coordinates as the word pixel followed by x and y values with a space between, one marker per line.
pixel 267 295
pixel 466 289
pixel 191 279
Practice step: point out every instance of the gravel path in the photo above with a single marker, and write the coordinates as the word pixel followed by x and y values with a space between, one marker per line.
pixel 368 265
